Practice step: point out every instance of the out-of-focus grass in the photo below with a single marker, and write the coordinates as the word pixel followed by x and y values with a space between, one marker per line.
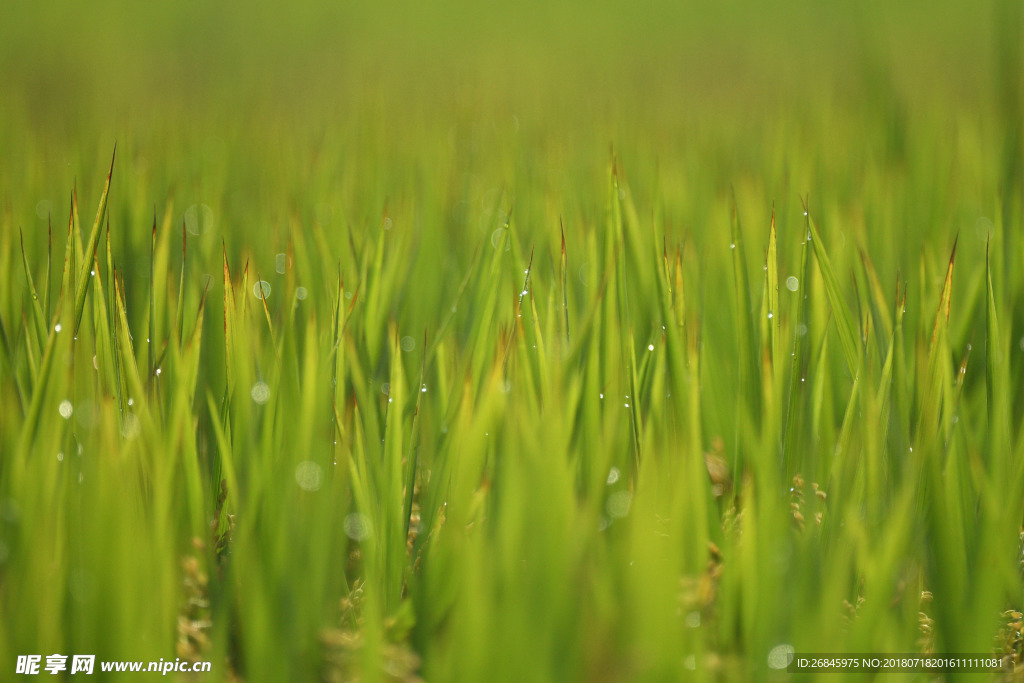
pixel 372 417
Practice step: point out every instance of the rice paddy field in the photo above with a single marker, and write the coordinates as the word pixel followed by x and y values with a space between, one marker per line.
pixel 536 342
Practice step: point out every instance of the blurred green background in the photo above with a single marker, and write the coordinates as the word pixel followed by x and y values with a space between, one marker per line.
pixel 527 98
pixel 120 64
pixel 662 82
pixel 266 126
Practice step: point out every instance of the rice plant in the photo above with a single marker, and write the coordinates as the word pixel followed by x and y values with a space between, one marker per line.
pixel 426 386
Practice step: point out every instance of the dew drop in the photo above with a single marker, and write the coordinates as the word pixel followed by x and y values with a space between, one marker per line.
pixel 198 219
pixel 261 290
pixel 618 504
pixel 65 409
pixel 792 284
pixel 497 237
pixel 357 526
pixel 780 656
pixel 131 427
pixel 308 475
pixel 584 272
pixel 260 393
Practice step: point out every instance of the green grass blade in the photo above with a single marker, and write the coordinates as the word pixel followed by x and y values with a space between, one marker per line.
pixel 997 391
pixel 12 364
pixel 90 249
pixel 848 338
pixel 774 312
pixel 38 317
pixel 49 269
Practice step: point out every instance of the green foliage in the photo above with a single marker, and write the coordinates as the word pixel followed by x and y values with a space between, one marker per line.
pixel 406 378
